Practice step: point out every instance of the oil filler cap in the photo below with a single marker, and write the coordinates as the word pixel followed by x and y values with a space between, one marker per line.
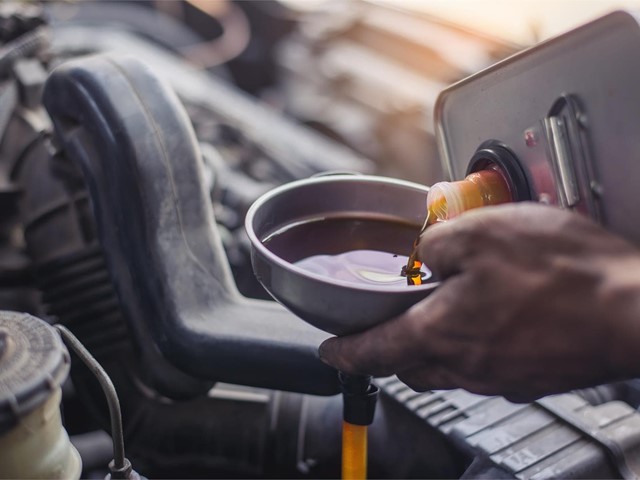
pixel 33 364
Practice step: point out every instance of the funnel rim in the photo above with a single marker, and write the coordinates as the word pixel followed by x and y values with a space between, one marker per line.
pixel 275 259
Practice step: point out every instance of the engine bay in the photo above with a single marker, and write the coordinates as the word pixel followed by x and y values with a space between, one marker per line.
pixel 134 138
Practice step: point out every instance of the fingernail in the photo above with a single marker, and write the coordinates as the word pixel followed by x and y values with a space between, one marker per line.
pixel 324 351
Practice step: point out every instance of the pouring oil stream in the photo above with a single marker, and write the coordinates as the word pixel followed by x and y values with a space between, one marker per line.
pixel 412 269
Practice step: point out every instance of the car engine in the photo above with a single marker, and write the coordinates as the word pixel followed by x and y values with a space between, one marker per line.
pixel 134 242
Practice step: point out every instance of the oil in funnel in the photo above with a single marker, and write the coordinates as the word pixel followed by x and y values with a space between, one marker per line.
pixel 312 243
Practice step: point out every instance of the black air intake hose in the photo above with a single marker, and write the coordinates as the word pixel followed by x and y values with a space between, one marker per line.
pixel 133 142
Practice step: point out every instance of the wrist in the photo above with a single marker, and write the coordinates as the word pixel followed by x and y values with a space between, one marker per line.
pixel 620 299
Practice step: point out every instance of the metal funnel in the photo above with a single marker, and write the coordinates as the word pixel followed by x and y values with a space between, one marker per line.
pixel 333 305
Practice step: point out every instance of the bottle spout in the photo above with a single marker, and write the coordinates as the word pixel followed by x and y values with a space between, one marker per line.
pixel 447 200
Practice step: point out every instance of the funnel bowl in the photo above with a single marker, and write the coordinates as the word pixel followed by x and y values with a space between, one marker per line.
pixel 332 305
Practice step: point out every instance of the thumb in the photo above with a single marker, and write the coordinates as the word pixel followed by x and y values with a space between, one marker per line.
pixel 383 350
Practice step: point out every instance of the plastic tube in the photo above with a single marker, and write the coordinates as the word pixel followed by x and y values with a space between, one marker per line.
pixel 354 451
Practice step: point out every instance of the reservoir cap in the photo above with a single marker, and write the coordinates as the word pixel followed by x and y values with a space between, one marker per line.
pixel 33 364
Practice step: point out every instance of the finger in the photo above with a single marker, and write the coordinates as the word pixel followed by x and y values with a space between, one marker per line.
pixel 381 350
pixel 445 247
pixel 441 377
pixel 428 377
pixel 521 398
pixel 403 342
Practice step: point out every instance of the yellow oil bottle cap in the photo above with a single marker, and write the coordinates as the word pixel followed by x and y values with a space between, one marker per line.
pixel 447 200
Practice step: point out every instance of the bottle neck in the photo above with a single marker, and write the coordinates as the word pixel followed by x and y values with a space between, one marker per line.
pixel 447 200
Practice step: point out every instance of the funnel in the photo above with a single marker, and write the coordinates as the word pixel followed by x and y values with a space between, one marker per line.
pixel 333 305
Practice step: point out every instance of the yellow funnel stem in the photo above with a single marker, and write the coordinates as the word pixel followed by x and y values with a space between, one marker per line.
pixel 354 451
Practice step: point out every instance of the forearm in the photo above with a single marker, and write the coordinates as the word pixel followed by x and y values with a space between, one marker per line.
pixel 619 295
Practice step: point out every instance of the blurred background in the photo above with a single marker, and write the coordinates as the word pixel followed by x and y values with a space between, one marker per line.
pixel 525 21
pixel 362 73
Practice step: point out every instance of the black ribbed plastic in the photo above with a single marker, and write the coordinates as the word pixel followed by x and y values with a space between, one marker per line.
pixel 77 290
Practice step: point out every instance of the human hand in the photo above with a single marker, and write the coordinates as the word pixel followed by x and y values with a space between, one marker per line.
pixel 534 301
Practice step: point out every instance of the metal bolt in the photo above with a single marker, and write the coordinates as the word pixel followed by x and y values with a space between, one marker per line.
pixel 530 138
pixel 581 118
pixel 596 188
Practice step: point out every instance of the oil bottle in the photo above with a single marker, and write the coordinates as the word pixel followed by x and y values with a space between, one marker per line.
pixel 486 187
pixel 446 200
